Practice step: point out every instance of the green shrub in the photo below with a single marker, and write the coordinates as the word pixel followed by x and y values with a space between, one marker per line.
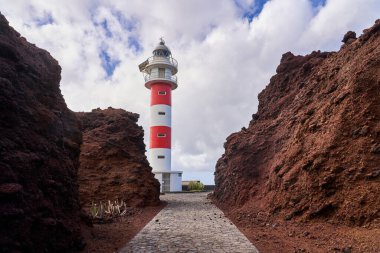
pixel 196 186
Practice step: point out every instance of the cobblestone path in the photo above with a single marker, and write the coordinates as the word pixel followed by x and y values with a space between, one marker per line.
pixel 189 223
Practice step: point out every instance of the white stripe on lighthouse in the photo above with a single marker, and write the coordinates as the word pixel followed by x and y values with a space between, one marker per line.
pixel 160 115
pixel 160 159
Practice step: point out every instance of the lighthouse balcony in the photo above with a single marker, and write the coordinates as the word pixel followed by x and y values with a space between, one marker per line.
pixel 149 79
pixel 160 61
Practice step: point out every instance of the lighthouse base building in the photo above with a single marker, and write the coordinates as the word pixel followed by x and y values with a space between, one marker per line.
pixel 170 181
pixel 159 73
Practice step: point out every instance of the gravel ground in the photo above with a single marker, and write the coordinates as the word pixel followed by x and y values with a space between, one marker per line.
pixel 189 223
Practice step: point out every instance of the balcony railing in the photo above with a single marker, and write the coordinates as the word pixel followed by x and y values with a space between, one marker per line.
pixel 162 60
pixel 157 77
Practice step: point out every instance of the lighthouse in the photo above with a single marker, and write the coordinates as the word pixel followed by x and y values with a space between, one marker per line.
pixel 159 73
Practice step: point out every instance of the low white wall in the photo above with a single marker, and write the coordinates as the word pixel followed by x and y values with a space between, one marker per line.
pixel 176 182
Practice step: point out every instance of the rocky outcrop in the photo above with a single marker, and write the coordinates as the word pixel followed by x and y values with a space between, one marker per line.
pixel 39 152
pixel 113 162
pixel 312 150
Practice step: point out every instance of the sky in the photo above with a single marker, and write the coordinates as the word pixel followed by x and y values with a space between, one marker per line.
pixel 227 50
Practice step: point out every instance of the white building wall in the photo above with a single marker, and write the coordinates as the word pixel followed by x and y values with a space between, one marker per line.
pixel 161 165
pixel 176 182
pixel 160 120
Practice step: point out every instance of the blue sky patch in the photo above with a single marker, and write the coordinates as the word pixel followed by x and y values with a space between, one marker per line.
pixel 251 11
pixel 104 26
pixel 127 24
pixel 106 29
pixel 108 63
pixel 46 19
pixel 103 23
pixel 317 3
pixel 134 44
pixel 256 10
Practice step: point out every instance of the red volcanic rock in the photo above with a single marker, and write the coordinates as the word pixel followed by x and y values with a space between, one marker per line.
pixel 9 189
pixel 39 152
pixel 349 37
pixel 312 150
pixel 113 162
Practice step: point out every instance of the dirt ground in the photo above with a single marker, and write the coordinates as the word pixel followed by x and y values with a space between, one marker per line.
pixel 314 237
pixel 111 237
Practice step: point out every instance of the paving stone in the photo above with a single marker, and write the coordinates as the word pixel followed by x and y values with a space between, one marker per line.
pixel 189 223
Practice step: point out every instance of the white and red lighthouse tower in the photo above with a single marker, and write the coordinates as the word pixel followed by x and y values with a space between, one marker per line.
pixel 159 72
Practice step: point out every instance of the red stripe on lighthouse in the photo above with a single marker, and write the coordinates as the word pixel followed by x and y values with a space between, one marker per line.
pixel 160 137
pixel 160 94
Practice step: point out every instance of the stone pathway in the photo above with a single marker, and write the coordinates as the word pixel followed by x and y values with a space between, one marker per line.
pixel 189 223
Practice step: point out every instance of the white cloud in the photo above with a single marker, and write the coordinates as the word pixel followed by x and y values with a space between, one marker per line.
pixel 224 61
pixel 326 29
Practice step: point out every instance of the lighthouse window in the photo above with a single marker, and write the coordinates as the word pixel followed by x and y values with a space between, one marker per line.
pixel 161 92
pixel 161 113
pixel 161 135
pixel 161 72
pixel 161 157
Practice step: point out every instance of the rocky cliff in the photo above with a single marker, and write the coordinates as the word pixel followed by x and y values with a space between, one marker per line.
pixel 113 162
pixel 312 151
pixel 39 152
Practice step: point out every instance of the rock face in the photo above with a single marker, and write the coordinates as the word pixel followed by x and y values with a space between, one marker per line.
pixel 39 152
pixel 113 162
pixel 312 151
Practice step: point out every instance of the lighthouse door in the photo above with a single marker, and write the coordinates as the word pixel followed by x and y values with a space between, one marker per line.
pixel 166 182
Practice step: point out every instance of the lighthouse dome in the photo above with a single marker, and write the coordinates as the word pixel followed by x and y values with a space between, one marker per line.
pixel 161 49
